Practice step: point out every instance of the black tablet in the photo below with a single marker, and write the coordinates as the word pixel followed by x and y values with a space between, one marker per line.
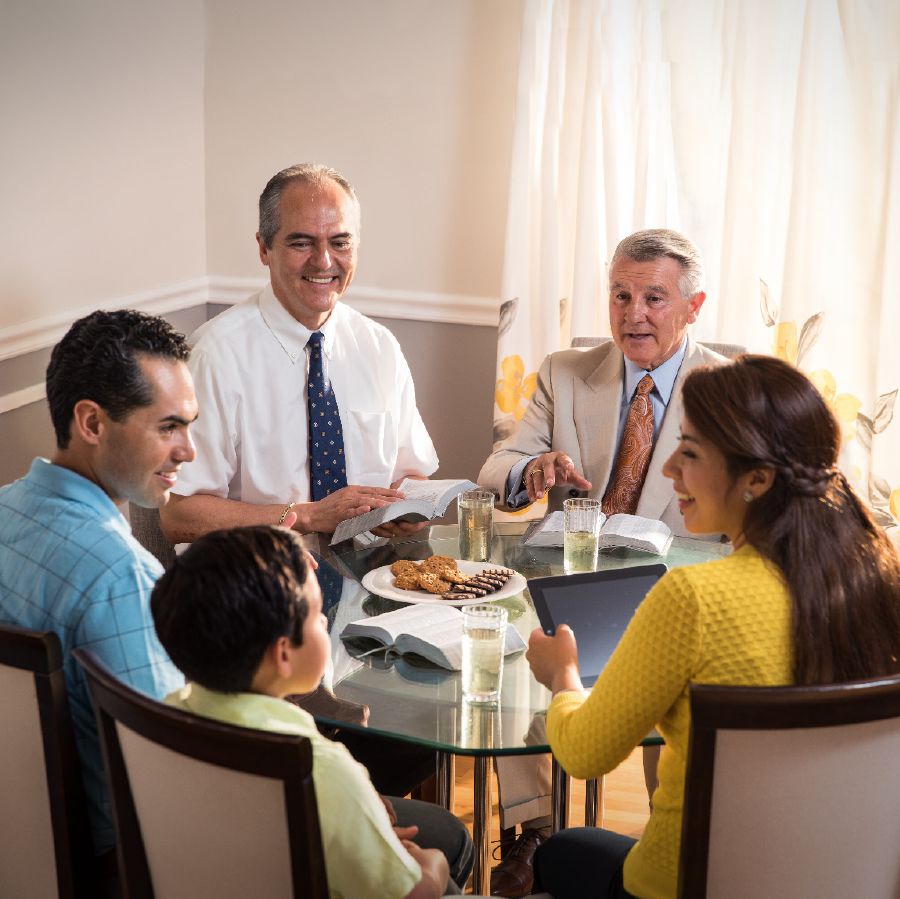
pixel 597 606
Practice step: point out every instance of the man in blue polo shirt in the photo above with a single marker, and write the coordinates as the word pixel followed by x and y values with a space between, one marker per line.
pixel 122 401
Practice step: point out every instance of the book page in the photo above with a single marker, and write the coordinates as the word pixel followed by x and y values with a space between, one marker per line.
pixel 633 530
pixel 368 520
pixel 436 493
pixel 548 531
pixel 432 631
pixel 418 620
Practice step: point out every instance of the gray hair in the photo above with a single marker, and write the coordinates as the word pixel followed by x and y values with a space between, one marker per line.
pixel 308 172
pixel 643 246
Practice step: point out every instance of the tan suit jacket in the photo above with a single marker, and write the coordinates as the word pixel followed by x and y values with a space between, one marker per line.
pixel 575 409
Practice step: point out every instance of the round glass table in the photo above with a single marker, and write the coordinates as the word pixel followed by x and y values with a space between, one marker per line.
pixel 421 703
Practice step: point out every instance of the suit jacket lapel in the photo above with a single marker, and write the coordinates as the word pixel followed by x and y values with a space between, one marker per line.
pixel 597 400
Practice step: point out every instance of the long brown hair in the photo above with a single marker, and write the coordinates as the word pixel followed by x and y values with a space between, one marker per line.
pixel 841 569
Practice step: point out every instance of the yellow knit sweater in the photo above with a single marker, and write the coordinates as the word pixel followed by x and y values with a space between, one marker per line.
pixel 722 622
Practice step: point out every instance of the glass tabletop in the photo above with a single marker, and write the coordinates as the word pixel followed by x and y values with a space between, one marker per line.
pixel 422 703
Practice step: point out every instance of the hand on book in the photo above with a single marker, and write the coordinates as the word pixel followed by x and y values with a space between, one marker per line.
pixel 401 528
pixel 348 502
pixel 549 470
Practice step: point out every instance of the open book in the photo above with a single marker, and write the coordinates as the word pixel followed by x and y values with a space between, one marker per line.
pixel 630 531
pixel 423 501
pixel 428 630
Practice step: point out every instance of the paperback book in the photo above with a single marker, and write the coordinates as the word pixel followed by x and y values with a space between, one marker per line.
pixel 424 500
pixel 431 631
pixel 629 531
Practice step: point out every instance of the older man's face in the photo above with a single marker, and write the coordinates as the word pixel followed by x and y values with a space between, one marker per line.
pixel 647 313
pixel 313 256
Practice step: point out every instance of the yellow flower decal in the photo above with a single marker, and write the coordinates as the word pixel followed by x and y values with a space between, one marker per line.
pixel 786 342
pixel 514 389
pixel 845 406
pixel 895 504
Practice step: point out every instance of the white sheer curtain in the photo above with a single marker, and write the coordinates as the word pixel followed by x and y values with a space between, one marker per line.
pixel 768 131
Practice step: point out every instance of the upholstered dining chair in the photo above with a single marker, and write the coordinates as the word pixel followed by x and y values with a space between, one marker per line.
pixel 731 350
pixel 45 848
pixel 205 809
pixel 793 791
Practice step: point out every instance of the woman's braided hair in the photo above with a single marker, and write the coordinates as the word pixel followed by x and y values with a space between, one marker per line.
pixel 841 569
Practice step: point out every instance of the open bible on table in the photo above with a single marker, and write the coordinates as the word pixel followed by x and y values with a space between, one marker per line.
pixel 630 531
pixel 431 631
pixel 423 501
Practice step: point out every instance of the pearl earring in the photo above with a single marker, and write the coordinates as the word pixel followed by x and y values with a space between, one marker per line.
pixel 748 496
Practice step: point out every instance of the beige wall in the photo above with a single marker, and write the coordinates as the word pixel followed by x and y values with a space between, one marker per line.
pixel 137 137
pixel 412 99
pixel 101 155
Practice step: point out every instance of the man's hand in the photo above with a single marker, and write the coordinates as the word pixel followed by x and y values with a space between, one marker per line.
pixel 401 528
pixel 554 660
pixel 552 469
pixel 348 502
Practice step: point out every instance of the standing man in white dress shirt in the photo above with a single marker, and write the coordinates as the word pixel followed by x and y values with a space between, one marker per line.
pixel 251 365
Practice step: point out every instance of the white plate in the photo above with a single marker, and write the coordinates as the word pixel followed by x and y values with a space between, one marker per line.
pixel 381 582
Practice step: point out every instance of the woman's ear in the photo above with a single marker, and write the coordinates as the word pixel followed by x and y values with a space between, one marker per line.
pixel 757 482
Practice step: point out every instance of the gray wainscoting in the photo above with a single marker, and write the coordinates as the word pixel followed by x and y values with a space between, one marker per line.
pixel 452 365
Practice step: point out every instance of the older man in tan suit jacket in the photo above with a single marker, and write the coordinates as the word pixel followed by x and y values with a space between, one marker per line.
pixel 569 443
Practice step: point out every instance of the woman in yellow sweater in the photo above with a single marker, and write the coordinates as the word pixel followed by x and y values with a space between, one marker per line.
pixel 810 595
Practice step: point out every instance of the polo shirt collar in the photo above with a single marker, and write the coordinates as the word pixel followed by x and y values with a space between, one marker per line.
pixel 663 376
pixel 293 336
pixel 76 488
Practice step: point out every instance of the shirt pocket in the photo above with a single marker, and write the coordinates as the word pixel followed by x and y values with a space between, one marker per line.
pixel 370 442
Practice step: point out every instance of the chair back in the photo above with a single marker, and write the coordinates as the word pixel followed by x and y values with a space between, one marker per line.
pixel 147 531
pixel 203 808
pixel 45 847
pixel 793 791
pixel 731 350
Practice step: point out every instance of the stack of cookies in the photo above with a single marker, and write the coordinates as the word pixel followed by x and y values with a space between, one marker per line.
pixel 440 575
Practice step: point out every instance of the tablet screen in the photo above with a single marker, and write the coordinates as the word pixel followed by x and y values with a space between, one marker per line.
pixel 597 606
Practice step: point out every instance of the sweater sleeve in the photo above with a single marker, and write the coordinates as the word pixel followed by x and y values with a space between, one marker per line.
pixel 591 733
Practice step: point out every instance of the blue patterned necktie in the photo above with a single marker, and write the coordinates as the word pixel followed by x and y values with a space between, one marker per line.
pixel 327 465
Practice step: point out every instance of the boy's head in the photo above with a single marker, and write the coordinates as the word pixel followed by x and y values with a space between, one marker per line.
pixel 241 610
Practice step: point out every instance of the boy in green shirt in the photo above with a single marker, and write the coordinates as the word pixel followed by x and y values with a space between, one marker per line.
pixel 240 613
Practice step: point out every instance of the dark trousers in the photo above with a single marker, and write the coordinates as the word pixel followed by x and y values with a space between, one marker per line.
pixel 581 862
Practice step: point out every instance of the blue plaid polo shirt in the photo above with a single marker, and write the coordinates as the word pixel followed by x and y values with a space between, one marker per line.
pixel 69 564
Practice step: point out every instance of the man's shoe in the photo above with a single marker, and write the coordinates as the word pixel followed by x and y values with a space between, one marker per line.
pixel 514 876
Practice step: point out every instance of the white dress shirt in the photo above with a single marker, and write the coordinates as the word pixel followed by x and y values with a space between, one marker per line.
pixel 250 368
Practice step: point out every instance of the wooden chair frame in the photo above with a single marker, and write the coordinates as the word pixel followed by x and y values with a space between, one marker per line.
pixel 282 757
pixel 40 653
pixel 715 708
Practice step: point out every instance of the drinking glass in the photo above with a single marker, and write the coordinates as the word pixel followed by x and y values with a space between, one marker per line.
pixel 581 532
pixel 476 513
pixel 484 638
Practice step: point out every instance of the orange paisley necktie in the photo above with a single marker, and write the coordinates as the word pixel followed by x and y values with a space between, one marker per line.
pixel 624 488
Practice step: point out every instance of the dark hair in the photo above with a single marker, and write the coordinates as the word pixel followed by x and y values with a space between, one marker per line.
pixel 270 198
pixel 841 569
pixel 98 359
pixel 227 599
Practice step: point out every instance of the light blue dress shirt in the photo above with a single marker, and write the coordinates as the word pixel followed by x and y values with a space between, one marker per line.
pixel 663 384
pixel 69 564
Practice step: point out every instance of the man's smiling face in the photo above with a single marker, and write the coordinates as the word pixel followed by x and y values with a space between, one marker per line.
pixel 647 313
pixel 312 259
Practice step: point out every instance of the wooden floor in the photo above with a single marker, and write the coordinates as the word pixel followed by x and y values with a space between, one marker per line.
pixel 625 807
